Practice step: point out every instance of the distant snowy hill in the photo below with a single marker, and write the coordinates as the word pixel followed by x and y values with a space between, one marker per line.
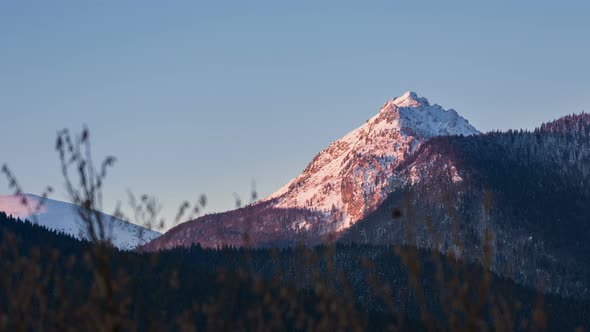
pixel 62 216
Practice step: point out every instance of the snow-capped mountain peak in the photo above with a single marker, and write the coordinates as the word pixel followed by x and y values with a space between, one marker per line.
pixel 351 177
pixel 409 99
pixel 419 118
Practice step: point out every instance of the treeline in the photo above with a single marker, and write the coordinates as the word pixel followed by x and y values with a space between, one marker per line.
pixel 49 282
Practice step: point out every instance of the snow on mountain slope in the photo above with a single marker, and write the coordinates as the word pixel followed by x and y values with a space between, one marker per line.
pixel 352 175
pixel 62 216
pixel 342 184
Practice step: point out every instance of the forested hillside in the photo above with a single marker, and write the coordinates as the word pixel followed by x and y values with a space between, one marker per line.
pixel 529 190
pixel 52 282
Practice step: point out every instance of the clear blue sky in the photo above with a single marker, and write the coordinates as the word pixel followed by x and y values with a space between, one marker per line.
pixel 208 96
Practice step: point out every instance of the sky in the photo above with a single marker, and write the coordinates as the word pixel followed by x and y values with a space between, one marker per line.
pixel 212 97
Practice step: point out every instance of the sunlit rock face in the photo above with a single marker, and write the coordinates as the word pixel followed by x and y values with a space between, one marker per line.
pixel 352 175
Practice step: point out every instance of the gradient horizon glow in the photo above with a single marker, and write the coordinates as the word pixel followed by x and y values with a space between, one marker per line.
pixel 209 97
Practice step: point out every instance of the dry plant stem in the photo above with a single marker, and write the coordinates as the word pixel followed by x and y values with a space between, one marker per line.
pixel 75 152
